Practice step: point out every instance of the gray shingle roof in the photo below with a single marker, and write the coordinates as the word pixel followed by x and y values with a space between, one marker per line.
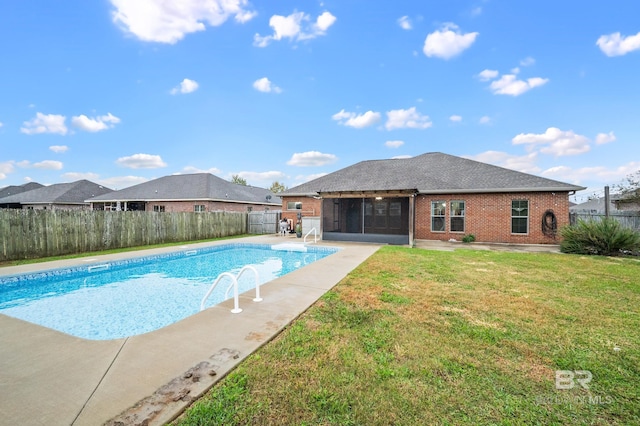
pixel 17 189
pixel 60 193
pixel 433 173
pixel 197 186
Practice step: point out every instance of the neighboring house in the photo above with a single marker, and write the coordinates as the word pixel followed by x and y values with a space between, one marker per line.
pixel 593 207
pixel 199 192
pixel 628 202
pixel 433 196
pixel 60 196
pixel 18 189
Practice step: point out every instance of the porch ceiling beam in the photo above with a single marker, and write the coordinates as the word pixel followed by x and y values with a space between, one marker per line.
pixel 367 194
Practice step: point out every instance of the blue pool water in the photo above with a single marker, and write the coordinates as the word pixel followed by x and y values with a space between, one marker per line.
pixel 135 296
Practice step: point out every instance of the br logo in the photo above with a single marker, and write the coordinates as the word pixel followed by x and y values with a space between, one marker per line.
pixel 566 379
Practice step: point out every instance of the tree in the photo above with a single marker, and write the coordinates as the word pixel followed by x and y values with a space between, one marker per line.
pixel 239 180
pixel 277 187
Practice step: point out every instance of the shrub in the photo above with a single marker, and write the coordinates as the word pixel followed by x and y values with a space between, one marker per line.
pixel 468 238
pixel 604 237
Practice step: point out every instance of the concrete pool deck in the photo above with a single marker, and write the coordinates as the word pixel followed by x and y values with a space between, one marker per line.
pixel 51 378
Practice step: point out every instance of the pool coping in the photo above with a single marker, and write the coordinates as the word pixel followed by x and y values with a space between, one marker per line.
pixel 48 377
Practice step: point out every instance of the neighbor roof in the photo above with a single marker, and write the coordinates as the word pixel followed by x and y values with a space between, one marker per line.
pixel 430 173
pixel 197 186
pixel 60 193
pixel 17 189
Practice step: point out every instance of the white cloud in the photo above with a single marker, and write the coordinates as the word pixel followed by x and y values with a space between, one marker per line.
pixel 447 42
pixel 269 176
pixel 169 21
pixel 486 75
pixel 191 170
pixel 300 179
pixel 59 149
pixel 521 163
pixel 393 144
pixel 509 85
pixel 407 118
pixel 593 173
pixel 73 176
pixel 48 165
pixel 455 118
pixel 96 124
pixel 120 182
pixel 1 124
pixel 5 168
pixel 186 86
pixel 401 157
pixel 141 161
pixel 45 123
pixel 351 119
pixel 527 62
pixel 405 23
pixel 555 142
pixel 297 26
pixel 245 16
pixel 311 158
pixel 617 45
pixel 485 119
pixel 603 138
pixel 265 85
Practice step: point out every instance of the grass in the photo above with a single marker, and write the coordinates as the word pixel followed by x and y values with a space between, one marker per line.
pixel 466 337
pixel 111 251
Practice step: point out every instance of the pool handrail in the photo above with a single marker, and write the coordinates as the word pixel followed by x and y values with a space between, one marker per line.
pixel 315 235
pixel 234 284
pixel 255 272
pixel 236 308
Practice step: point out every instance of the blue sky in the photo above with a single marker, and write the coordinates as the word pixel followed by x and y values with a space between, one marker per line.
pixel 120 92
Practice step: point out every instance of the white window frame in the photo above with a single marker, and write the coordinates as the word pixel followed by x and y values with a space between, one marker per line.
pixel 440 204
pixel 526 217
pixel 297 205
pixel 460 215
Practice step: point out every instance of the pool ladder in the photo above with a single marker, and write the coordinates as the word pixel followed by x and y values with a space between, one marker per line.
pixel 234 283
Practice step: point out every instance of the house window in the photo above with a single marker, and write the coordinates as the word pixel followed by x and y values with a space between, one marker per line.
pixel 438 209
pixel 294 205
pixel 199 208
pixel 519 216
pixel 158 209
pixel 457 216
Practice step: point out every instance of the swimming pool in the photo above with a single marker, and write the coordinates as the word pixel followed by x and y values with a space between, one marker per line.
pixel 134 296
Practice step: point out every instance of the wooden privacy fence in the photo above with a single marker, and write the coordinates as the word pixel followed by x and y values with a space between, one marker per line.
pixel 26 234
pixel 627 219
pixel 265 222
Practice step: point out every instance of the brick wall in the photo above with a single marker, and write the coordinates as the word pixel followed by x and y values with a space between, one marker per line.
pixel 310 207
pixel 488 216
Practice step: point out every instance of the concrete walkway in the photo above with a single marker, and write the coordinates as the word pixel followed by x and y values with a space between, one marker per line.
pixel 51 378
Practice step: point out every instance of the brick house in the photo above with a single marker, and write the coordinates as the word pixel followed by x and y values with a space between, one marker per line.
pixel 433 196
pixel 198 192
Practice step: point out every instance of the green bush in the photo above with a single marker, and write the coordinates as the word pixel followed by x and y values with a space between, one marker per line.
pixel 604 237
pixel 468 238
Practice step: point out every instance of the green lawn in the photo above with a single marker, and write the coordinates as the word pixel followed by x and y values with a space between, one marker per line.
pixel 467 337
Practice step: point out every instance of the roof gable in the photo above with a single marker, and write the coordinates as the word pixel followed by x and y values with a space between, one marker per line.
pixel 428 173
